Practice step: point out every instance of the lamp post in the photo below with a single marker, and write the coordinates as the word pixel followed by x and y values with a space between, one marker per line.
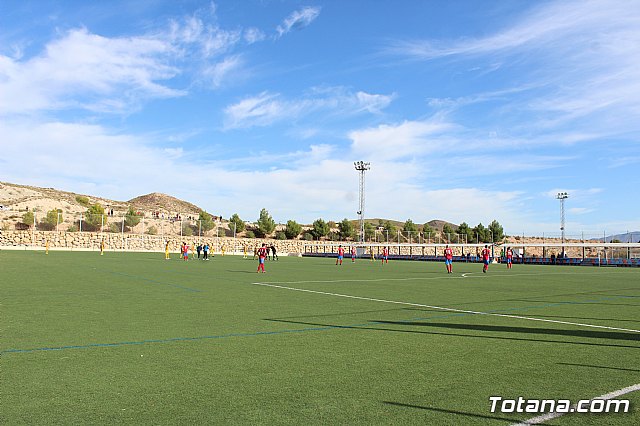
pixel 361 167
pixel 562 196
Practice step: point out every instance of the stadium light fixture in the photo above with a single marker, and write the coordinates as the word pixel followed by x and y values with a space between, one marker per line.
pixel 361 167
pixel 562 196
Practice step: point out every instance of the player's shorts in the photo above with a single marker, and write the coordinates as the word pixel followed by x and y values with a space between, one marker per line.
pixel 340 257
pixel 261 259
pixel 385 257
pixel 509 260
pixel 486 261
pixel 448 261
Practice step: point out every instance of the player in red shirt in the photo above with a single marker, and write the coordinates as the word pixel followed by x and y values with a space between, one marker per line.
pixel 448 259
pixel 185 251
pixel 509 254
pixel 353 254
pixel 486 254
pixel 340 255
pixel 262 255
pixel 385 255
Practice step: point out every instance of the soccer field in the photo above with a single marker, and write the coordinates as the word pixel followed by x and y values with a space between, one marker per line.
pixel 132 338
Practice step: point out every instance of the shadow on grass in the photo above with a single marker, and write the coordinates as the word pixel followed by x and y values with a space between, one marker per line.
pixel 442 410
pixel 591 334
pixel 586 302
pixel 532 298
pixel 587 318
pixel 369 327
pixel 598 366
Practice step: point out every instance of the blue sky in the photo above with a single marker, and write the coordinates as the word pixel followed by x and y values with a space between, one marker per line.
pixel 468 111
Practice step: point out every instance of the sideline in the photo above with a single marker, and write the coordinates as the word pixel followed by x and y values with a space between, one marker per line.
pixel 442 308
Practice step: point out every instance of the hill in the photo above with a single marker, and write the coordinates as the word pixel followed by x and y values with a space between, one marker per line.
pixel 158 202
pixel 14 197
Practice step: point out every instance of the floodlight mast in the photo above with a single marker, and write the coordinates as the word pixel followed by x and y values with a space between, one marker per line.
pixel 361 167
pixel 562 196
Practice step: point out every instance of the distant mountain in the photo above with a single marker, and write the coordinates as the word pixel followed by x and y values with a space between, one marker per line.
pixel 628 237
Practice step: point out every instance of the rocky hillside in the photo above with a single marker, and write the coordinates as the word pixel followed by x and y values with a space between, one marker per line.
pixel 158 202
pixel 18 198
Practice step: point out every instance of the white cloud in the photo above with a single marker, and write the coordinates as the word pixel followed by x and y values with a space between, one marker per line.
pixel 409 138
pixel 581 58
pixel 253 35
pixel 298 19
pixel 267 108
pixel 84 70
pixel 218 73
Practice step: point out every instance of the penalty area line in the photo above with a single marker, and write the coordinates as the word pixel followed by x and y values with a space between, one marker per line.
pixel 442 308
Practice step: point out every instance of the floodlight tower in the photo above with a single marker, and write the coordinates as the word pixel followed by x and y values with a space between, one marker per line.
pixel 562 196
pixel 362 167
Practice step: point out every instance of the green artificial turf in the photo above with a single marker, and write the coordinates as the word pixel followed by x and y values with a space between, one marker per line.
pixel 132 338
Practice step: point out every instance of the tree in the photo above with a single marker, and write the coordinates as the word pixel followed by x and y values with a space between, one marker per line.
pixel 94 217
pixel 479 233
pixel 266 224
pixel 409 226
pixel 447 231
pixel 292 230
pixel 320 228
pixel 345 229
pixel 52 219
pixel 497 233
pixel 369 231
pixel 239 223
pixel 27 219
pixel 427 230
pixel 131 218
pixel 465 232
pixel 206 221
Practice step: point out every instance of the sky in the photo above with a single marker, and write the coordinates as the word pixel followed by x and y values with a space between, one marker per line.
pixel 467 111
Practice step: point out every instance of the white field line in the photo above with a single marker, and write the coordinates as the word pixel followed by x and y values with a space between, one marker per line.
pixel 465 275
pixel 441 308
pixel 550 416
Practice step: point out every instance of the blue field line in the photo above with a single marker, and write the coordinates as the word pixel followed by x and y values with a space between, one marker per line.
pixel 153 281
pixel 170 340
pixel 300 330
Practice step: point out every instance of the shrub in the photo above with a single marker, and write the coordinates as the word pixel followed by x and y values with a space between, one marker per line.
pixel 131 218
pixel 72 228
pixel 292 229
pixel 187 230
pixel 94 218
pixel 308 236
pixel 113 227
pixel 249 234
pixel 152 231
pixel 82 200
pixel 281 235
pixel 27 219
pixel 50 221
